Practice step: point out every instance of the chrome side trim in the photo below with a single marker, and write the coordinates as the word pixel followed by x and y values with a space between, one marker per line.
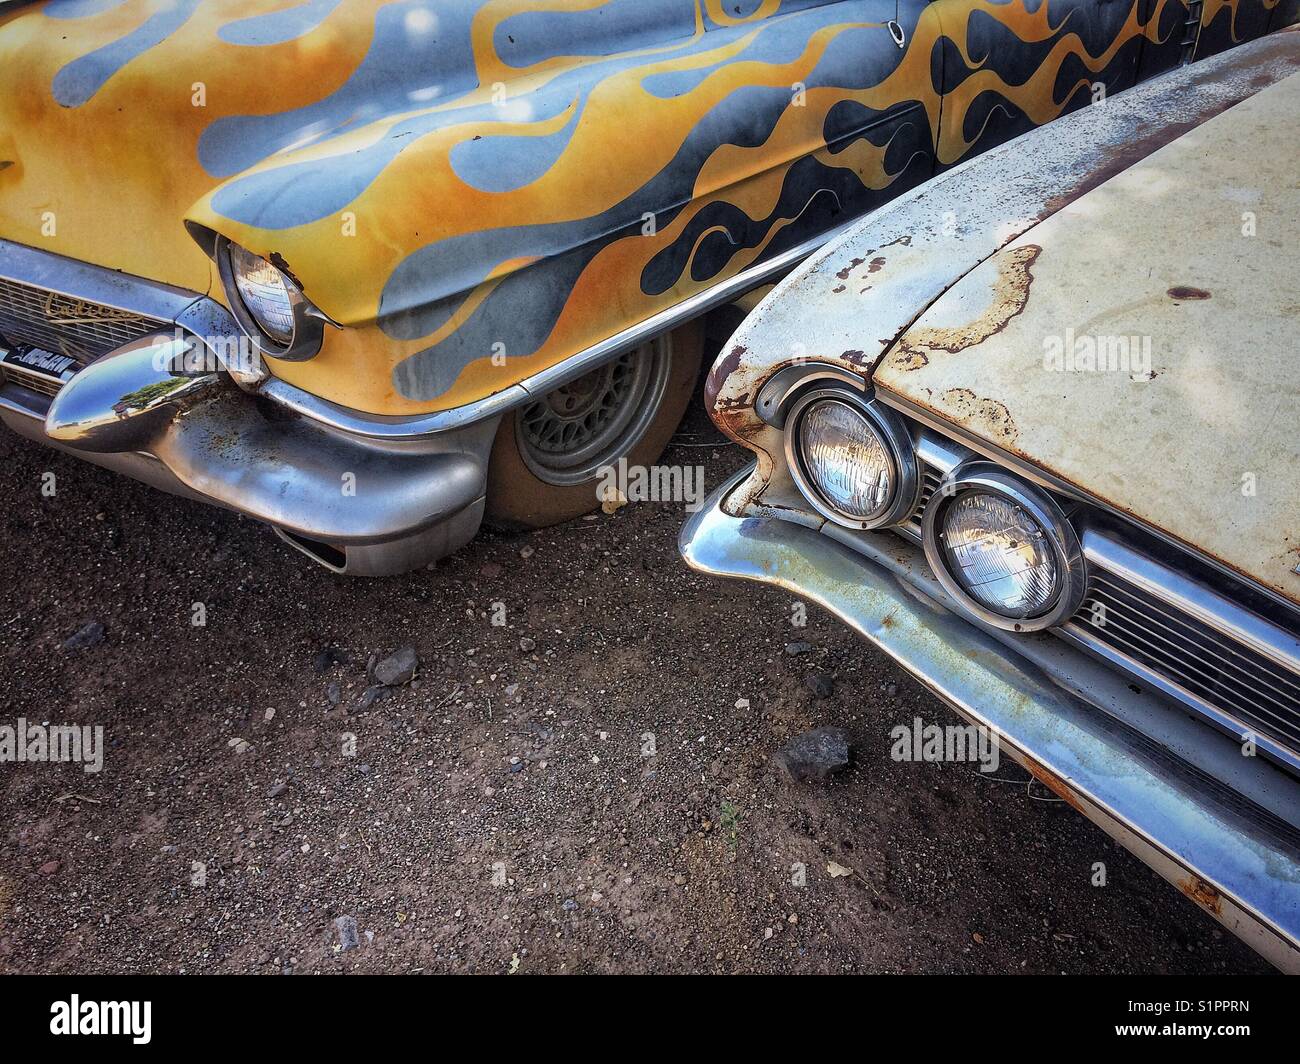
pixel 1223 828
pixel 547 380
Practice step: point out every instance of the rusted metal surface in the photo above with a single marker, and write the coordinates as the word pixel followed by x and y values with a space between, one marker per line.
pixel 1052 710
pixel 1150 359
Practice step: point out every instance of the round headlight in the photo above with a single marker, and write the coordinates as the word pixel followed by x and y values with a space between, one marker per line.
pixel 999 554
pixel 852 461
pixel 267 294
pixel 1003 549
pixel 846 459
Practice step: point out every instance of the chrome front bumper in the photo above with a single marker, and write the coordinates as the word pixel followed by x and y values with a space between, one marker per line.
pixel 1225 829
pixel 361 494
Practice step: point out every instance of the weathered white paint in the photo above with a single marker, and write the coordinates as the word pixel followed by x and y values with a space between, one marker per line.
pixel 1205 445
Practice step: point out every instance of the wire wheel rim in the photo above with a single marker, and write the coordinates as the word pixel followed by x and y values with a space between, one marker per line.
pixel 568 435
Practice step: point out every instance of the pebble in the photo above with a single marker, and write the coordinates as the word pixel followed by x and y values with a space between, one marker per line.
pixel 821 684
pixel 527 645
pixel 398 668
pixel 794 649
pixel 89 635
pixel 346 927
pixel 815 755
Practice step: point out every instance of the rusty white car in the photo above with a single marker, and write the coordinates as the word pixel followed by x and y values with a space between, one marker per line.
pixel 1031 430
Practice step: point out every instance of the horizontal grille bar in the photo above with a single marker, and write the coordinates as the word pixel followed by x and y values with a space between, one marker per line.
pixel 1212 667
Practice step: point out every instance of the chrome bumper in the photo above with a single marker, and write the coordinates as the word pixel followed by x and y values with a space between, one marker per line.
pixel 161 399
pixel 1225 829
pixel 355 504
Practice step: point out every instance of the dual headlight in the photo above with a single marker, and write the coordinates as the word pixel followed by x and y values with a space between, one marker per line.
pixel 268 304
pixel 852 458
pixel 999 546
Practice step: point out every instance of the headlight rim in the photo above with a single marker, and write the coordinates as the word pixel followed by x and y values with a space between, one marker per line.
pixel 898 445
pixel 1067 551
pixel 309 323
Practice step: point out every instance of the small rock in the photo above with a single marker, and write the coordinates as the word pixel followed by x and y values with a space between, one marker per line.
pixel 334 694
pixel 277 789
pixel 89 635
pixel 372 694
pixel 240 746
pixel 398 668
pixel 49 868
pixel 795 649
pixel 815 755
pixel 327 657
pixel 527 645
pixel 526 552
pixel 346 927
pixel 821 684
pixel 570 906
pixel 512 690
pixel 491 570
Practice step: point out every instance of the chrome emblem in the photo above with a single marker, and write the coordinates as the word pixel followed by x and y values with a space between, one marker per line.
pixel 65 310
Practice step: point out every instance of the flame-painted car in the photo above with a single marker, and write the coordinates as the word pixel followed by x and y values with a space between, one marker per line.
pixel 1042 452
pixel 366 271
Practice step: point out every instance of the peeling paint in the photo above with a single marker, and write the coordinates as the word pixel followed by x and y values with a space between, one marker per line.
pixel 1010 293
pixel 1202 893
pixel 989 417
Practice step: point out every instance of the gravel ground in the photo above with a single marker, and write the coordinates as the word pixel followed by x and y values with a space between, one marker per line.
pixel 500 813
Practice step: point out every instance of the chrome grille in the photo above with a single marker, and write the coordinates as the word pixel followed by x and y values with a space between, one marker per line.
pixel 73 327
pixel 931 478
pixel 30 379
pixel 1202 662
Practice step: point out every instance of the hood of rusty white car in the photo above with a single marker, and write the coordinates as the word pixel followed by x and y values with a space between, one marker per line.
pixel 1141 343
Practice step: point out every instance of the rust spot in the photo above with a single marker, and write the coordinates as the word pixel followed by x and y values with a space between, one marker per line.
pixel 277 260
pixel 855 358
pixel 839 288
pixel 722 369
pixel 843 274
pixel 990 417
pixel 1202 893
pixel 1055 784
pixel 876 264
pixel 1184 292
pixel 1010 295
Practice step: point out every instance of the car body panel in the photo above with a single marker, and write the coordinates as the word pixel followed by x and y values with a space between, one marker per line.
pixel 1147 317
pixel 461 185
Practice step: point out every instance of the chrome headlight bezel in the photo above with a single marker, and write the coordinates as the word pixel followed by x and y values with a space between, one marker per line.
pixel 308 322
pixel 1071 569
pixel 893 437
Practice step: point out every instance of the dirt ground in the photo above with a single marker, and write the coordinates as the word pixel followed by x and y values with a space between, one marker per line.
pixel 500 813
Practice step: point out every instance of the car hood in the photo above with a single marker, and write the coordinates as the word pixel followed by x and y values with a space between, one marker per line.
pixel 1140 344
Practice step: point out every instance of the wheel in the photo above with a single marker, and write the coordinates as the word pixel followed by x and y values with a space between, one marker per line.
pixel 547 458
